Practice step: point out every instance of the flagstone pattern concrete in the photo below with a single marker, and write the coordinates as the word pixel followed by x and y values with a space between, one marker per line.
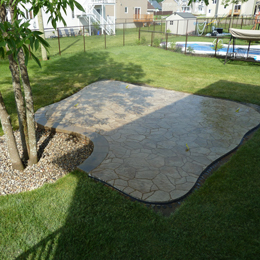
pixel 150 143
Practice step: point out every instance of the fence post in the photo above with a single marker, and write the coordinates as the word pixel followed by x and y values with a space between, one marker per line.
pixel 161 24
pixel 186 36
pixel 84 39
pixel 139 35
pixel 216 47
pixel 59 40
pixel 177 27
pixel 166 41
pixel 241 23
pixel 152 39
pixel 123 34
pixel 105 37
pixel 154 26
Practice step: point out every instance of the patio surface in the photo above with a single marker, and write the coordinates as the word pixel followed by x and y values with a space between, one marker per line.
pixel 140 135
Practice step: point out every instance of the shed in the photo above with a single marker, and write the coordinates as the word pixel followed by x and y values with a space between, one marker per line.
pixel 181 23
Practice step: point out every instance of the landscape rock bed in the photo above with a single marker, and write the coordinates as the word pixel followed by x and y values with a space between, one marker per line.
pixel 58 155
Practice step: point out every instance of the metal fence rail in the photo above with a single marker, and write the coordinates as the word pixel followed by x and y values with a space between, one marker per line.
pixel 164 34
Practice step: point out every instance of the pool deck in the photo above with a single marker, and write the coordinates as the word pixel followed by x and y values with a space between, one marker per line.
pixel 149 143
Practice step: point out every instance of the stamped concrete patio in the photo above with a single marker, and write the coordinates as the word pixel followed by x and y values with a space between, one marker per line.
pixel 141 135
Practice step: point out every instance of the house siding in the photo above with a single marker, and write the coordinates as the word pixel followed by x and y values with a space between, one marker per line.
pixel 170 5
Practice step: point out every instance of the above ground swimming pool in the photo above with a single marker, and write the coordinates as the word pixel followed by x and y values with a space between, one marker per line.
pixel 207 48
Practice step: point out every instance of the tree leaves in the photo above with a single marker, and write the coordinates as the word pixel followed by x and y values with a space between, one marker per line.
pixel 79 6
pixel 16 36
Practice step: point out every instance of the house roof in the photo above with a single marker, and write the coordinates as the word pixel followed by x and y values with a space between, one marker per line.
pixel 149 5
pixel 154 5
pixel 184 15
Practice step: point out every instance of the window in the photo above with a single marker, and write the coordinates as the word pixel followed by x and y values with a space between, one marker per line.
pixel 237 7
pixel 185 8
pixel 171 22
pixel 214 1
pixel 200 8
pixel 126 10
pixel 31 15
pixel 73 14
pixel 209 11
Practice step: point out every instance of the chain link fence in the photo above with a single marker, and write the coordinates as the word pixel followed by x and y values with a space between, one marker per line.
pixel 200 36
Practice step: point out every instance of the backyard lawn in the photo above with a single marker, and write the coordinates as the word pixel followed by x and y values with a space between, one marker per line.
pixel 77 218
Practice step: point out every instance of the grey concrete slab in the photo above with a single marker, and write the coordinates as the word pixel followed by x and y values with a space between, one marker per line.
pixel 150 143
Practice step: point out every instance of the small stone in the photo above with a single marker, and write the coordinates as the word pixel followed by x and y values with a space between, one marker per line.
pixel 58 155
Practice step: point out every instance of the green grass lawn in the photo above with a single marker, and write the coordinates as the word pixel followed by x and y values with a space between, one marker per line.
pixel 77 218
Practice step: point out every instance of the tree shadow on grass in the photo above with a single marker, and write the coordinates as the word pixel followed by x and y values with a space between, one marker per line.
pixel 68 47
pixel 232 90
pixel 64 76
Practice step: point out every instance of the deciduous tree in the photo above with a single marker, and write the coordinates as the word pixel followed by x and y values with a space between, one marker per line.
pixel 15 36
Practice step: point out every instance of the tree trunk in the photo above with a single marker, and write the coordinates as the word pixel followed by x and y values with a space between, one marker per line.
pixel 41 29
pixel 9 136
pixel 13 66
pixel 29 109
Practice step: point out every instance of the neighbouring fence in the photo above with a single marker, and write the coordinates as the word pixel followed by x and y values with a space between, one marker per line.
pixel 174 35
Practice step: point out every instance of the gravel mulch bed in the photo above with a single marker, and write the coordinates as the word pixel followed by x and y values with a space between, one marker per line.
pixel 58 155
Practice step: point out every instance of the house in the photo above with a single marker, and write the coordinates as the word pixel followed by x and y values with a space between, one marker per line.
pixel 171 5
pixel 181 23
pixel 196 8
pixel 99 15
pixel 216 8
pixel 129 11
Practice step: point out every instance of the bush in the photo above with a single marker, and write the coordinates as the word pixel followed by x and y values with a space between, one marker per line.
pixel 156 42
pixel 190 50
pixel 172 45
pixel 177 48
pixel 143 40
pixel 217 47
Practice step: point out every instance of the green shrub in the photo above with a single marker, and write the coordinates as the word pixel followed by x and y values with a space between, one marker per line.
pixel 190 49
pixel 172 45
pixel 143 40
pixel 217 46
pixel 177 48
pixel 156 42
pixel 137 42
